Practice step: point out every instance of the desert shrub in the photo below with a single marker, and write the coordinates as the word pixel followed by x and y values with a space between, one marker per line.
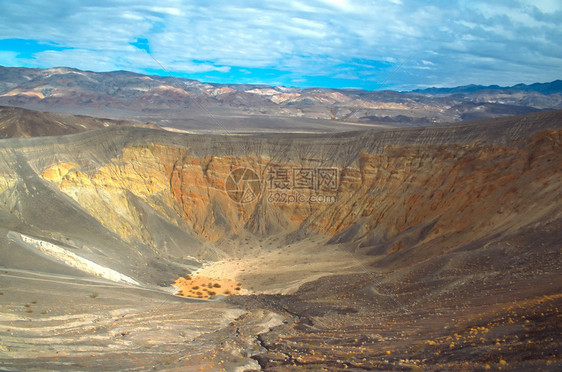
pixel 198 293
pixel 195 287
pixel 237 288
pixel 227 292
pixel 212 293
pixel 216 285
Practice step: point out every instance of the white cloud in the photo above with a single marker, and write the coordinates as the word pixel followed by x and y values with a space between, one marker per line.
pixel 340 4
pixel 548 6
pixel 450 41
pixel 165 10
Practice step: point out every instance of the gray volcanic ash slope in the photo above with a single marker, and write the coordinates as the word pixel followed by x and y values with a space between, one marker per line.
pixel 433 248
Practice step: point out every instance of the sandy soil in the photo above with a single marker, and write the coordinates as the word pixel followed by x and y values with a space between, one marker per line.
pixel 206 287
pixel 276 270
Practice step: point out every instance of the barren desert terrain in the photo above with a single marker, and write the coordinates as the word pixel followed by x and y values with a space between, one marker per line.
pixel 427 248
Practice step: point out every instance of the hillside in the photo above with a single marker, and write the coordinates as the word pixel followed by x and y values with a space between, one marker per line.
pixel 18 122
pixel 434 248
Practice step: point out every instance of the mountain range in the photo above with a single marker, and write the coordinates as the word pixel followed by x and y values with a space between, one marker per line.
pixel 192 105
pixel 554 87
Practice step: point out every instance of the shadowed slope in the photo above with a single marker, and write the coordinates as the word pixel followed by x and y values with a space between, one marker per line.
pixel 18 122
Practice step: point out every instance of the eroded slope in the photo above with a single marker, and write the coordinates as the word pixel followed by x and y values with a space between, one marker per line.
pixel 389 196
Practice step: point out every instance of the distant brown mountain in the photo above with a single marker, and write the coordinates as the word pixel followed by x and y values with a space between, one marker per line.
pixel 190 104
pixel 18 122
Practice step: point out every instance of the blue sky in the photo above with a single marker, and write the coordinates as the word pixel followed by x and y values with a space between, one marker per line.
pixel 386 44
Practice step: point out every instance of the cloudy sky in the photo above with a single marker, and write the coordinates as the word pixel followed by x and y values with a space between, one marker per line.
pixel 368 44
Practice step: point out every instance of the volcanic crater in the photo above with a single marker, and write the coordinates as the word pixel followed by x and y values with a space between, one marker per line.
pixel 434 248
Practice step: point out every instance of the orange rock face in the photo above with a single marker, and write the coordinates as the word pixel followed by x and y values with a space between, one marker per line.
pixel 407 195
